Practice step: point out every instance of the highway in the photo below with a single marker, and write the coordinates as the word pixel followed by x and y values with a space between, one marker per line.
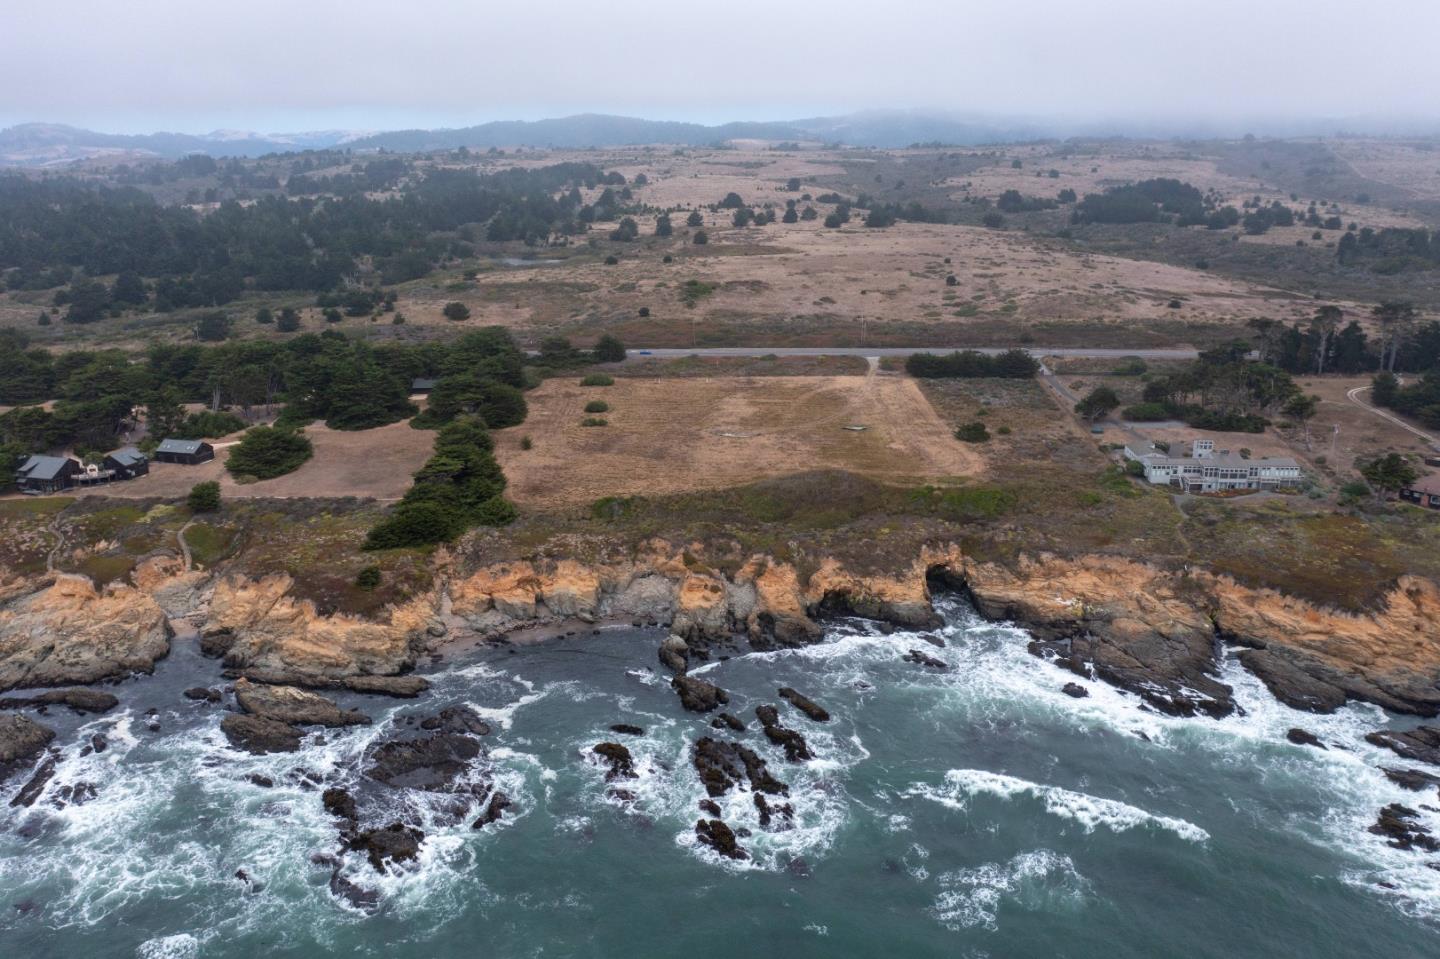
pixel 1144 354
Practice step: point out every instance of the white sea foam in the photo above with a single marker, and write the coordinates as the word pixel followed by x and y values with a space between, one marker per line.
pixel 1039 880
pixel 1089 811
pixel 182 946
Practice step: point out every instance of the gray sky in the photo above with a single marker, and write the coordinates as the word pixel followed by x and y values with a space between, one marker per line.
pixel 274 65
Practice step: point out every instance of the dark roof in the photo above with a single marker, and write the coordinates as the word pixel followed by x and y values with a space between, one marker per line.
pixel 1429 485
pixel 421 383
pixel 179 446
pixel 40 467
pixel 127 456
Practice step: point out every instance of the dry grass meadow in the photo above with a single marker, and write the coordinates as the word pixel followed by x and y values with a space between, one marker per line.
pixel 667 436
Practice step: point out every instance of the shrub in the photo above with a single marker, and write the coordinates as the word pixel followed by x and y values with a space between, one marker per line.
pixel 413 524
pixel 612 260
pixel 368 578
pixel 204 497
pixel 597 406
pixel 694 219
pixel 594 421
pixel 1147 412
pixel 972 433
pixel 700 238
pixel 289 320
pixel 609 349
pixel 1012 364
pixel 993 220
pixel 1097 404
pixel 456 311
pixel 597 379
pixel 644 311
pixel 263 315
pixel 526 443
pixel 266 452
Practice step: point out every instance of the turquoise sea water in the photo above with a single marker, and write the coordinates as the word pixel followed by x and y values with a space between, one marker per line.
pixel 976 812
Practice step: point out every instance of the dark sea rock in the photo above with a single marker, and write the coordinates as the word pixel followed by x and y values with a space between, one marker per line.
pixel 719 837
pixel 697 695
pixel 1075 690
pixel 456 719
pixel 769 812
pixel 288 704
pixel 77 698
pixel 1422 744
pixel 75 794
pixel 722 765
pixel 1172 673
pixel 367 900
pixel 794 744
pixel 730 721
pixel 395 843
pixel 1302 737
pixel 21 738
pixel 804 704
pixel 621 764
pixel 432 763
pixel 1411 779
pixel 202 694
pixel 401 687
pixel 710 806
pixel 924 659
pixel 1397 823
pixel 339 803
pixel 264 782
pixel 499 802
pixel 625 729
pixel 258 735
pixel 1291 685
pixel 675 654
pixel 31 790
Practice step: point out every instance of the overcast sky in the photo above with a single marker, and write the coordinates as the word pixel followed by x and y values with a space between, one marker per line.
pixel 277 65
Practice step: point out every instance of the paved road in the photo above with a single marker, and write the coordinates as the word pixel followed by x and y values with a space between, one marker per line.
pixel 1354 397
pixel 907 350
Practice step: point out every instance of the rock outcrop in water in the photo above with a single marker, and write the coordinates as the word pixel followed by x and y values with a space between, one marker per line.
pixel 78 699
pixel 21 739
pixel 286 704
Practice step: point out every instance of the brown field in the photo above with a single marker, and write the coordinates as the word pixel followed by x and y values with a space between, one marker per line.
pixel 802 284
pixel 675 435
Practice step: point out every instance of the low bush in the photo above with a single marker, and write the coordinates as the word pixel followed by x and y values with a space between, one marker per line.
pixel 204 497
pixel 972 433
pixel 597 379
pixel 597 406
pixel 594 421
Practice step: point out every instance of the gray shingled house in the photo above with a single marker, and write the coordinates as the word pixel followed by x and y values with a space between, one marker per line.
pixel 46 474
pixel 188 452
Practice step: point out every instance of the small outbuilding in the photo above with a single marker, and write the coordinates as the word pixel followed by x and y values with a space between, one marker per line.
pixel 422 386
pixel 127 463
pixel 46 474
pixel 186 452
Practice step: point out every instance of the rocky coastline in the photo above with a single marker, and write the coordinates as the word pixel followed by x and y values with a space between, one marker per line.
pixel 1157 632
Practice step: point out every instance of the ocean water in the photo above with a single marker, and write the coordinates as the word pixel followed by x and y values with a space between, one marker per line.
pixel 972 813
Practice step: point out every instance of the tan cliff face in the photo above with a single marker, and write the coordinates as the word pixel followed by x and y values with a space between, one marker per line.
pixel 66 631
pixel 1129 622
pixel 263 631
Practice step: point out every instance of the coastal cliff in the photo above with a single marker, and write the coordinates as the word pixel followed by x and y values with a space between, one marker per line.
pixel 1159 632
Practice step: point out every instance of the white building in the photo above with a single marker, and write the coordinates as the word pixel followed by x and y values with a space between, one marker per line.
pixel 1207 470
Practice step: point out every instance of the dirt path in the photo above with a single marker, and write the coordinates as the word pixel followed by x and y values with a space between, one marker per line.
pixel 53 557
pixel 184 546
pixel 1354 397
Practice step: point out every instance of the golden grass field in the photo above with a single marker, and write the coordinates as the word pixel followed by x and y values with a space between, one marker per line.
pixel 677 435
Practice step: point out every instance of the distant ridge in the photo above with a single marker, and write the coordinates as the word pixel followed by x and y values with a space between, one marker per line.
pixel 44 144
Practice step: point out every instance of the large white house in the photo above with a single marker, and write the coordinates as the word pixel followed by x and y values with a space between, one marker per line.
pixel 1207 470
